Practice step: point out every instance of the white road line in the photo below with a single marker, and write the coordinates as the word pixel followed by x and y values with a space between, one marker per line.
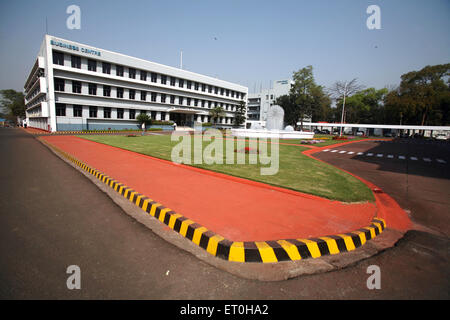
pixel 325 150
pixel 342 151
pixel 441 161
pixel 401 157
pixel 334 151
pixel 370 154
pixel 413 158
pixel 350 152
pixel 380 155
pixel 360 153
pixel 390 156
pixel 427 159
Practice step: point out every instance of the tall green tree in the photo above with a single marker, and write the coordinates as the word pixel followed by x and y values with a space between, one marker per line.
pixel 423 97
pixel 240 113
pixel 13 102
pixel 305 98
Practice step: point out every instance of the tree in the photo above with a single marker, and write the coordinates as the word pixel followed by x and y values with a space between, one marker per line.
pixel 240 113
pixel 215 113
pixel 144 118
pixel 291 112
pixel 342 90
pixel 423 96
pixel 302 90
pixel 13 102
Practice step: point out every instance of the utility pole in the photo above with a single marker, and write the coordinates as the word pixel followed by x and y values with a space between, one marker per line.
pixel 343 106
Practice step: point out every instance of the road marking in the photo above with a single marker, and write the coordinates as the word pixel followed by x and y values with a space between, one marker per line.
pixel 390 156
pixel 441 161
pixel 334 151
pixel 379 155
pixel 401 157
pixel 342 151
pixel 413 158
pixel 350 152
pixel 360 153
pixel 370 154
pixel 326 150
pixel 427 159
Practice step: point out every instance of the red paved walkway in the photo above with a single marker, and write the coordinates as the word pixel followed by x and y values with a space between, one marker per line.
pixel 237 211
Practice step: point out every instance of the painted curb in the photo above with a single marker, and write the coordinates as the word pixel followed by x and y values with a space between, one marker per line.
pixel 250 251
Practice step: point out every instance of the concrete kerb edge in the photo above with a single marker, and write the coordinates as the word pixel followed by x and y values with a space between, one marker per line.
pixel 280 259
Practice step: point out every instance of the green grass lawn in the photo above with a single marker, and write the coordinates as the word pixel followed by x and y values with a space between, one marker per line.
pixel 296 171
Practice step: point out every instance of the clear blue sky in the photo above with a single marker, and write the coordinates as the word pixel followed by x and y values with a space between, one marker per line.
pixel 257 41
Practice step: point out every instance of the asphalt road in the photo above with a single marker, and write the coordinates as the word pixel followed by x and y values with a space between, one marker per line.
pixel 51 217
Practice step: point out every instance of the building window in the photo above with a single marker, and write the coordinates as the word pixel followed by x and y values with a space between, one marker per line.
pixel 189 84
pixel 119 92
pixel 58 58
pixel 163 115
pixel 209 89
pixel 153 115
pixel 92 65
pixel 132 73
pixel 163 98
pixel 271 97
pixel 60 110
pixel 92 112
pixel 188 101
pixel 131 93
pixel 196 86
pixel 143 75
pixel 221 91
pixel 181 83
pixel 227 93
pixel 59 84
pixel 232 93
pixel 132 114
pixel 76 62
pixel 119 113
pixel 172 99
pixel 76 86
pixel 216 90
pixel 195 102
pixel 77 111
pixel 203 103
pixel 154 77
pixel 119 71
pixel 106 91
pixel 172 81
pixel 203 87
pixel 180 100
pixel 107 113
pixel 163 79
pixel 143 95
pixel 106 67
pixel 153 97
pixel 93 89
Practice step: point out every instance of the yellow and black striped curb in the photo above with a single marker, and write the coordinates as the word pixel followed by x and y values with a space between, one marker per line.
pixel 249 251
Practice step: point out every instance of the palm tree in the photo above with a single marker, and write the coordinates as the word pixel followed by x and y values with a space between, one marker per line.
pixel 215 113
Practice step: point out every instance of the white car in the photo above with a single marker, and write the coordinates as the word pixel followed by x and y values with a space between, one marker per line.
pixel 441 136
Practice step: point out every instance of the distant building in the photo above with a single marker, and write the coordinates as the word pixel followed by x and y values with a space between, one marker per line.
pixel 259 103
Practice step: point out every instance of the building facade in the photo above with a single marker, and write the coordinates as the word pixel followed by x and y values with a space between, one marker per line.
pixel 73 86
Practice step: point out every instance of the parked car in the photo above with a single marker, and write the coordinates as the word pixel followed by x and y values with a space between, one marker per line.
pixel 441 136
pixel 360 133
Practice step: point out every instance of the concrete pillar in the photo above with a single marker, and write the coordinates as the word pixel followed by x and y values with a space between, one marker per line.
pixel 158 115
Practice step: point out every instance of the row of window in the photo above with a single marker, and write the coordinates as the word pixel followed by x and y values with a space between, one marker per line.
pixel 58 58
pixel 59 85
pixel 93 113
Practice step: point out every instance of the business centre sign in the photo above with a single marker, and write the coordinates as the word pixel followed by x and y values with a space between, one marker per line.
pixel 74 48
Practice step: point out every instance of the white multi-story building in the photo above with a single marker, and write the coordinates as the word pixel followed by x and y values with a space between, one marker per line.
pixel 73 86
